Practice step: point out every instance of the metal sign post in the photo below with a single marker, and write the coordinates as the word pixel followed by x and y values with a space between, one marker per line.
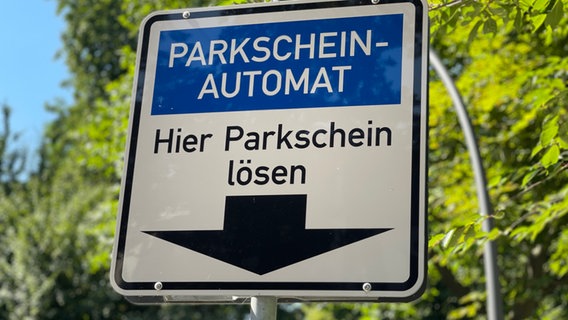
pixel 267 141
pixel 263 308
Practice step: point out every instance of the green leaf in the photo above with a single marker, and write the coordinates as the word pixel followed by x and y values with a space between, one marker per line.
pixel 563 143
pixel 489 26
pixel 452 237
pixel 498 214
pixel 540 5
pixel 528 178
pixel 551 156
pixel 536 149
pixel 501 12
pixel 525 5
pixel 537 21
pixel 474 30
pixel 493 234
pixel 519 19
pixel 448 238
pixel 435 240
pixel 555 15
pixel 470 232
pixel 549 131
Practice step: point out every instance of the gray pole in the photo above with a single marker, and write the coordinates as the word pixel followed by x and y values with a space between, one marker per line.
pixel 263 308
pixel 494 299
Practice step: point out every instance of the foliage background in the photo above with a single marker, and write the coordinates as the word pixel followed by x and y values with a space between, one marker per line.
pixel 509 59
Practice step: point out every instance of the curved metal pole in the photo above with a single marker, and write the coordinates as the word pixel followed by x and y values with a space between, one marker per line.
pixel 494 299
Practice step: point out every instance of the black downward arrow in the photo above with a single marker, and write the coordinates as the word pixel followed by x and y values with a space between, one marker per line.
pixel 265 233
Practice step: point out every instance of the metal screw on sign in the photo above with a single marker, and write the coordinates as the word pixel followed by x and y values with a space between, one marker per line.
pixel 158 286
pixel 375 1
pixel 186 14
pixel 367 287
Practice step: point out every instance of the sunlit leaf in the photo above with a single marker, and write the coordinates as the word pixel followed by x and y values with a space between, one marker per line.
pixel 537 21
pixel 551 156
pixel 549 131
pixel 528 178
pixel 435 240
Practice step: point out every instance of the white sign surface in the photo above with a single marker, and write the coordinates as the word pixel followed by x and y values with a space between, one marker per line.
pixel 277 150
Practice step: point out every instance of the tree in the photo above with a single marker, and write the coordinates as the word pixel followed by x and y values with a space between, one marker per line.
pixel 509 59
pixel 513 74
pixel 59 228
pixel 12 161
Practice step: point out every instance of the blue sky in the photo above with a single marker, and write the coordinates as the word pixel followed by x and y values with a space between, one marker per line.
pixel 30 36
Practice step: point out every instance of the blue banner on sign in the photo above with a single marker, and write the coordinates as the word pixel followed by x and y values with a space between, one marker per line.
pixel 301 64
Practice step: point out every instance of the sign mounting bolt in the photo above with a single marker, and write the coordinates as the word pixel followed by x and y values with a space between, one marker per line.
pixel 375 1
pixel 367 287
pixel 158 286
pixel 186 14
